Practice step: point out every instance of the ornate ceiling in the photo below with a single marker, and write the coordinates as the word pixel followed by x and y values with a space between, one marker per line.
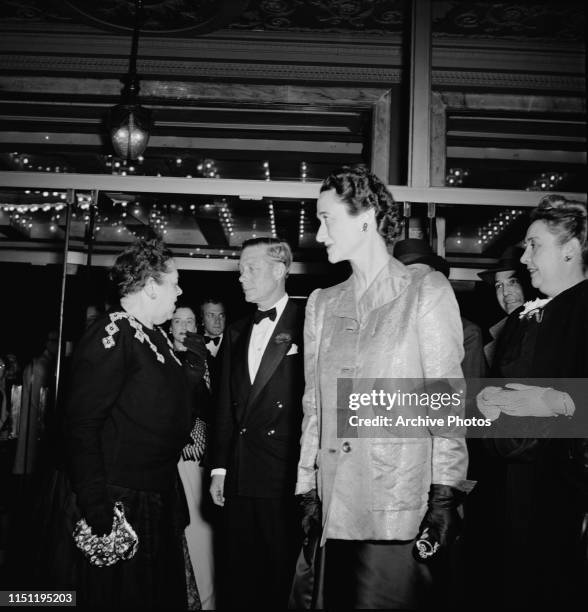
pixel 282 90
pixel 562 20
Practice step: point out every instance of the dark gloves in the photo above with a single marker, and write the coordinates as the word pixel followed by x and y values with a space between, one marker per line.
pixel 194 343
pixel 310 504
pixel 311 511
pixel 440 526
pixel 99 519
pixel 195 356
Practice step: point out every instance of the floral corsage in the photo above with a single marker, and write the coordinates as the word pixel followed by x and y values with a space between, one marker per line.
pixel 283 338
pixel 534 308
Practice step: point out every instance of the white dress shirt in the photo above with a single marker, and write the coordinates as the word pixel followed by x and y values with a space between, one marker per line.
pixel 260 335
pixel 213 348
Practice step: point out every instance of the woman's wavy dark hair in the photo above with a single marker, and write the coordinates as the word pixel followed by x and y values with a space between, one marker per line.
pixel 564 218
pixel 136 264
pixel 361 190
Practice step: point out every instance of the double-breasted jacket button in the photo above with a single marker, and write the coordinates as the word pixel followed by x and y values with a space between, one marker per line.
pixel 271 432
pixel 242 430
pixel 346 447
pixel 279 404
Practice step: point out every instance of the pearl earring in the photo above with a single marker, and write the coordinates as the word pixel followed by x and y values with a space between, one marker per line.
pixel 364 227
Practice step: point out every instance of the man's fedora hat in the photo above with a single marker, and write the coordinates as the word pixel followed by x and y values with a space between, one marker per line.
pixel 509 260
pixel 413 250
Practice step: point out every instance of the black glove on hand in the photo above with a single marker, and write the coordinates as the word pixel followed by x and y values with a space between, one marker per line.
pixel 195 356
pixel 441 524
pixel 310 504
pixel 311 511
pixel 99 519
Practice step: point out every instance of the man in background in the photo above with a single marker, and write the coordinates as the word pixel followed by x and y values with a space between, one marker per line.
pixel 508 279
pixel 213 317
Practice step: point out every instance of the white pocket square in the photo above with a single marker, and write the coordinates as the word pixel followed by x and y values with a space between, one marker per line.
pixel 293 350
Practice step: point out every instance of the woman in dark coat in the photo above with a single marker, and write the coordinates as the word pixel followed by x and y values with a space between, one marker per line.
pixel 541 561
pixel 127 416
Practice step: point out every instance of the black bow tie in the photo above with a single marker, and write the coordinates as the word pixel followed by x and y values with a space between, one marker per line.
pixel 214 340
pixel 259 315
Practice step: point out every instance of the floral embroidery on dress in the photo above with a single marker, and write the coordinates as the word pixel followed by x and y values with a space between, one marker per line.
pixel 112 328
pixel 108 342
pixel 171 347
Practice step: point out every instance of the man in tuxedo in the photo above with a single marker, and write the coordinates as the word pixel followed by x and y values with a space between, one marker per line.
pixel 259 415
pixel 213 317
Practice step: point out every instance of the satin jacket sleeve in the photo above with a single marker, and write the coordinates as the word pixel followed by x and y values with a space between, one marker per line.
pixel 309 442
pixel 440 336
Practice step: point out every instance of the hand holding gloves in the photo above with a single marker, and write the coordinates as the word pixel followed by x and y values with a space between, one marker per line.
pixel 524 401
pixel 441 524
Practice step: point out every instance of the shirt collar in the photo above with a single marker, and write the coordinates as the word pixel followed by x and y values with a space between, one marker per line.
pixel 280 305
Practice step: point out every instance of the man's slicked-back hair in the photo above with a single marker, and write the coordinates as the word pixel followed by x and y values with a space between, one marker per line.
pixel 276 249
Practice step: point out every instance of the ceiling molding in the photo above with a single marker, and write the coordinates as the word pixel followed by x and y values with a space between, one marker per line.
pixel 241 71
pixel 498 56
pixel 359 51
pixel 512 102
pixel 189 70
pixel 363 97
pixel 464 79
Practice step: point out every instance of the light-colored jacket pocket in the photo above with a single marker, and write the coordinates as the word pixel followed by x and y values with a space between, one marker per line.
pixel 401 474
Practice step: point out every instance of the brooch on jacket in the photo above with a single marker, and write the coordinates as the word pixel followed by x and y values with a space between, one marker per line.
pixel 534 308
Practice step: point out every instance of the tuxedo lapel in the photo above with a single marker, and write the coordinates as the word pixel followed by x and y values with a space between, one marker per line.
pixel 275 351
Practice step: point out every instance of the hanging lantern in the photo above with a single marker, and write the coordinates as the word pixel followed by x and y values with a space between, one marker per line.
pixel 130 126
pixel 130 123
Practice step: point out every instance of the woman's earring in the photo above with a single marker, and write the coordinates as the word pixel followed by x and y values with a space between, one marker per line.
pixel 364 227
pixel 567 258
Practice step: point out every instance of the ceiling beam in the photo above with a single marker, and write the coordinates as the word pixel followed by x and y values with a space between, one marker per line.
pixel 256 190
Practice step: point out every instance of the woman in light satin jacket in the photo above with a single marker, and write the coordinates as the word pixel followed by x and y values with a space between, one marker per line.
pixel 385 321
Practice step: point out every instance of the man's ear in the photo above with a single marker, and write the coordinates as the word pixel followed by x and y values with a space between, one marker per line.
pixel 279 270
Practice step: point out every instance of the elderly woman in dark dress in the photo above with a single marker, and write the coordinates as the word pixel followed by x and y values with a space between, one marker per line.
pixel 127 416
pixel 541 562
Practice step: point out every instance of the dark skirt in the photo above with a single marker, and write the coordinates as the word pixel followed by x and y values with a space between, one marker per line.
pixel 375 575
pixel 155 578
